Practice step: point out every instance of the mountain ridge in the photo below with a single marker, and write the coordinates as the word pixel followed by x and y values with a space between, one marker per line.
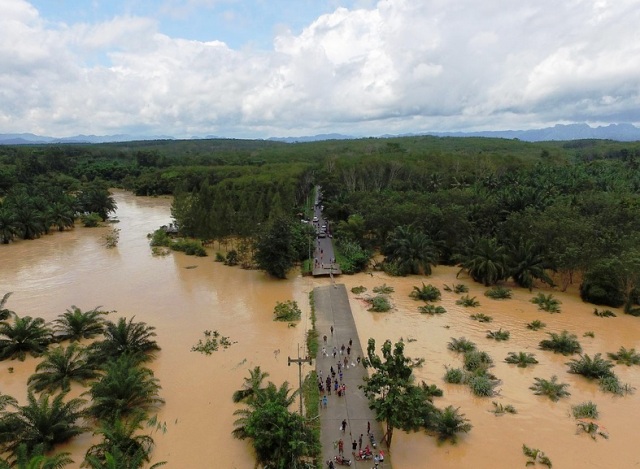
pixel 619 132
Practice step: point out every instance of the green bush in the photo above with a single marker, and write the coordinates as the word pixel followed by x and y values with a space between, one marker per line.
pixel 232 258
pixel 498 335
pixel 190 247
pixel 468 302
pixel 522 359
pixel 359 289
pixel 219 257
pixel 626 357
pixel 613 385
pixel 287 311
pixel 159 238
pixel 91 220
pixel 536 325
pixel 481 317
pixel 586 410
pixel 482 385
pixel 431 309
pixel 550 388
pixel 564 343
pixel 454 375
pixel 476 361
pixel 600 286
pixel 547 302
pixel 456 288
pixel 351 257
pixel 425 293
pixel 383 289
pixel 379 304
pixel 461 345
pixel 605 313
pixel 498 293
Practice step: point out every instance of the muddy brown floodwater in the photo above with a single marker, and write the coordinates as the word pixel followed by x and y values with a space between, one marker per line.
pixel 183 296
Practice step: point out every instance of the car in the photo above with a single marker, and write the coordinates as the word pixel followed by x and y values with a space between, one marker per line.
pixel 322 234
pixel 315 219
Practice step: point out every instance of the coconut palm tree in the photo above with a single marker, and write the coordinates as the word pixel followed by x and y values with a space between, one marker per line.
pixel 126 337
pixel 528 263
pixel 43 422
pixel 25 335
pixel 411 251
pixel 119 437
pixel 116 459
pixel 61 367
pixel 486 262
pixel 124 389
pixel 28 221
pixel 97 200
pixel 592 368
pixel 252 385
pixel 75 324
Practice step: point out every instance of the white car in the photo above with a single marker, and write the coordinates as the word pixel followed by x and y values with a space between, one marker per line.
pixel 315 219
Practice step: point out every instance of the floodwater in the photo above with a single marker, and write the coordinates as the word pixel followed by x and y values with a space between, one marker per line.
pixel 183 296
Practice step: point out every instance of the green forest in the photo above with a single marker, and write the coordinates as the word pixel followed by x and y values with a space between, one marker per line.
pixel 548 212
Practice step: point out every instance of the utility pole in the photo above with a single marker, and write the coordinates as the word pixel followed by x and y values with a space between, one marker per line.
pixel 299 361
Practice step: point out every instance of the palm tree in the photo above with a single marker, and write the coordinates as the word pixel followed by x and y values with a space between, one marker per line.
pixel 486 262
pixel 28 221
pixel 37 460
pixel 132 338
pixel 60 367
pixel 61 215
pixel 97 200
pixel 116 459
pixel 252 385
pixel 5 313
pixel 8 226
pixel 26 335
pixel 75 324
pixel 411 251
pixel 124 389
pixel 449 422
pixel 527 263
pixel 43 422
pixel 119 437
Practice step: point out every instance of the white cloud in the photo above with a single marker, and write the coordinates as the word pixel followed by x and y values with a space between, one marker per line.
pixel 392 66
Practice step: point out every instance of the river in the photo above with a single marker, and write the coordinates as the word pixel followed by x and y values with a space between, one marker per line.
pixel 182 296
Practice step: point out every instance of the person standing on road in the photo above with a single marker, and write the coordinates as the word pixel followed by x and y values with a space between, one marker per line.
pixel 360 442
pixel 344 425
pixel 340 447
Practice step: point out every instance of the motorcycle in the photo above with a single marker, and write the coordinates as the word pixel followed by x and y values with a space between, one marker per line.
pixel 342 460
pixel 363 454
pixel 372 440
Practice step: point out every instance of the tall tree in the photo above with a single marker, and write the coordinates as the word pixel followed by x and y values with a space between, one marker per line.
pixel 411 251
pixel 486 261
pixel 61 367
pixel 25 335
pixel 392 392
pixel 276 250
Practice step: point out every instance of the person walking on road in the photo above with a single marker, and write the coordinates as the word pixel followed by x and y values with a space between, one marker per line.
pixel 344 425
pixel 360 442
pixel 340 447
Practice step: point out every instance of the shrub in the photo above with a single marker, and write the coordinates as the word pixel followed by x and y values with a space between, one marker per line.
pixel 90 220
pixel 477 361
pixel 536 325
pixel 589 334
pixel 454 375
pixel 468 302
pixel 547 302
pixel 605 313
pixel 432 309
pixel 287 311
pixel 383 289
pixel 449 422
pixel 564 343
pixel 550 388
pixel 461 345
pixel 190 247
pixel 522 359
pixel 232 258
pixel 481 317
pixel 359 289
pixel 425 293
pixel 379 304
pixel 586 410
pixel 592 368
pixel 219 257
pixel 212 342
pixel 498 293
pixel 456 288
pixel 482 385
pixel 499 409
pixel 535 456
pixel 613 385
pixel 600 286
pixel 626 357
pixel 352 257
pixel 159 238
pixel 498 335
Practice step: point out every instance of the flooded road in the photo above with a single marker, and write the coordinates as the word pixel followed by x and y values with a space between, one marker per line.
pixel 183 296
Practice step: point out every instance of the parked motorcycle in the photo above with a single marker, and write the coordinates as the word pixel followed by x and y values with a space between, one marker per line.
pixel 342 460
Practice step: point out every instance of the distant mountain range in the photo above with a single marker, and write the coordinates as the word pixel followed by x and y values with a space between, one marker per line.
pixel 619 132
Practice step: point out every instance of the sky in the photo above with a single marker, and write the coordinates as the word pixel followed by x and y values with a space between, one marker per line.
pixel 282 68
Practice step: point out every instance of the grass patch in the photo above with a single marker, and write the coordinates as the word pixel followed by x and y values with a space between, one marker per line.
pixel 383 289
pixel 379 304
pixel 481 317
pixel 211 343
pixel 499 409
pixel 431 310
pixel 547 302
pixel 625 357
pixel 536 325
pixel 358 290
pixel 586 410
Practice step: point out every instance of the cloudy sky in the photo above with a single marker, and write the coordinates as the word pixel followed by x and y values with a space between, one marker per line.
pixel 261 68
